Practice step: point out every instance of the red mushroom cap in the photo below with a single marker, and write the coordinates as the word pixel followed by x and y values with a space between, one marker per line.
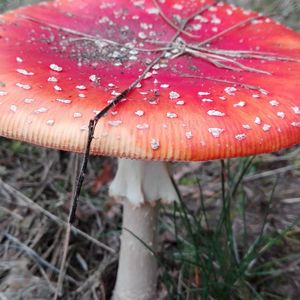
pixel 228 86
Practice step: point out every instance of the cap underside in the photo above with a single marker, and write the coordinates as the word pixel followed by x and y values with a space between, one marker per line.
pixel 228 86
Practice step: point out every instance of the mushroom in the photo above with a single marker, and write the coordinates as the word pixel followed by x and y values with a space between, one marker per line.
pixel 188 81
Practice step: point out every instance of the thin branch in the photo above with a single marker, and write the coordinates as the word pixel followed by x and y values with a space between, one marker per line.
pixel 28 202
pixel 164 16
pixel 247 86
pixel 232 28
pixel 37 258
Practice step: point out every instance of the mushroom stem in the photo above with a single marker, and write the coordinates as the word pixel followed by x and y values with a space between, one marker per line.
pixel 137 272
pixel 140 184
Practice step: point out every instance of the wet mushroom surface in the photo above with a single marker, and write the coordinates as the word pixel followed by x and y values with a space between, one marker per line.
pixel 226 86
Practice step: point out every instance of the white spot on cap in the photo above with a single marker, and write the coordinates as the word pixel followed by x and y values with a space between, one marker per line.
pixel 154 144
pixel 216 132
pixel 296 110
pixel 65 101
pixel 257 121
pixel 3 93
pixel 23 86
pixel 142 35
pixel 203 93
pixel 50 122
pixel 115 123
pixel 81 87
pixel 28 100
pixel 77 115
pixel 57 88
pixel 188 135
pixel 266 127
pixel 171 115
pixel 177 6
pixel 240 136
pixel 215 113
pixel 41 110
pixel 153 11
pixel 281 114
pixel 13 108
pixel 239 104
pixel 25 72
pixel 55 68
pixel 295 124
pixel 274 102
pixel 52 79
pixel 139 113
pixel 246 126
pixel 173 95
pixel 142 126
pixel 164 85
pixel 94 78
pixel 19 59
pixel 180 102
pixel 115 93
pixel 230 90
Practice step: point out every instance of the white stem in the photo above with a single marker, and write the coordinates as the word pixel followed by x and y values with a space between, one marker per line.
pixel 141 181
pixel 140 184
pixel 137 272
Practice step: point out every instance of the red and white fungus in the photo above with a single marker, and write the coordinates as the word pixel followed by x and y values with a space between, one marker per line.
pixel 225 83
pixel 221 90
